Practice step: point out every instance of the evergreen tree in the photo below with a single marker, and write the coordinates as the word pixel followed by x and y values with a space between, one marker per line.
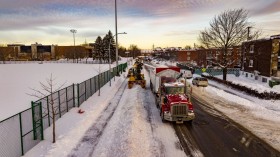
pixel 98 49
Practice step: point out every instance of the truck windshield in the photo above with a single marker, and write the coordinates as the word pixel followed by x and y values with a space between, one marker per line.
pixel 174 90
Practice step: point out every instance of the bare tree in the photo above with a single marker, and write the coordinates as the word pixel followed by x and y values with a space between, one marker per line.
pixel 226 30
pixel 48 89
pixel 134 50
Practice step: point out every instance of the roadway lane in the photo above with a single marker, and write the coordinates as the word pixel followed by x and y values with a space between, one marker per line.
pixel 217 136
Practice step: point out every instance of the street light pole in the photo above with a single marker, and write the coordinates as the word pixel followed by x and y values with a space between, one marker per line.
pixel 74 31
pixel 116 25
pixel 110 55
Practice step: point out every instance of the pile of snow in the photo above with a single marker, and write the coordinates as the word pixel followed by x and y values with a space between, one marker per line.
pixel 250 83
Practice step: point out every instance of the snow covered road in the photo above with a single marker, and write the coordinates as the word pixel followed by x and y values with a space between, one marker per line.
pixel 131 127
pixel 136 129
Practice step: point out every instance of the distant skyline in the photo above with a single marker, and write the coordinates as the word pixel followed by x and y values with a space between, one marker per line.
pixel 164 23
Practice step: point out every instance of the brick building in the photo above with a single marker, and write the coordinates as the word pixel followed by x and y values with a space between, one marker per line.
pixel 262 56
pixel 44 52
pixel 209 57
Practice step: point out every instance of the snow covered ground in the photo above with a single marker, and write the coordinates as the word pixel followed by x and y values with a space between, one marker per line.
pixel 251 83
pixel 132 127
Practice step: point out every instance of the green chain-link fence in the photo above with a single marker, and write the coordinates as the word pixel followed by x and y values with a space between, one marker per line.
pixel 21 132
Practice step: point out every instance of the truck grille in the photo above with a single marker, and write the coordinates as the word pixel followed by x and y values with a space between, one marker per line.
pixel 179 110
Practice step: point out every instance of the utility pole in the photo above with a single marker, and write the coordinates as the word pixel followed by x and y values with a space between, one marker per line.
pixel 116 25
pixel 248 33
pixel 74 31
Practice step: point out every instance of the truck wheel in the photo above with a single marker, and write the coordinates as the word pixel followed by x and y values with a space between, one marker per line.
pixel 162 117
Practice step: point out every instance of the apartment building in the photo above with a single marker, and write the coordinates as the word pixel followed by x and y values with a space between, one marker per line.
pixel 262 56
pixel 210 57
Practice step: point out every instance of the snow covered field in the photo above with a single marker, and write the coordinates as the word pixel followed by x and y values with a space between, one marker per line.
pixel 17 79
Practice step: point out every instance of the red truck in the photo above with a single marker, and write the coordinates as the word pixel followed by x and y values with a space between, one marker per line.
pixel 171 96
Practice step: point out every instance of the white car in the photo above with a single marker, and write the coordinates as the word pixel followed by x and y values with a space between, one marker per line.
pixel 200 81
pixel 187 74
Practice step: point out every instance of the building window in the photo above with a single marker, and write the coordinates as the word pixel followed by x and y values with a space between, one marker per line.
pixel 188 53
pixel 251 48
pixel 188 58
pixel 229 52
pixel 251 63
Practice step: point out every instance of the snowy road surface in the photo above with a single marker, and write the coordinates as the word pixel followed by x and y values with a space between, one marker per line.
pixel 134 129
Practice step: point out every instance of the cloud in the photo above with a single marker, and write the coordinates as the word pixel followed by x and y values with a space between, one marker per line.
pixel 269 7
pixel 162 19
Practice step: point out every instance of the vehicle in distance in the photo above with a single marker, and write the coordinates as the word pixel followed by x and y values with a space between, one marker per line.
pixel 200 81
pixel 187 74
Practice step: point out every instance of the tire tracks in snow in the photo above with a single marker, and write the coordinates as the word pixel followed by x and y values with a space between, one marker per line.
pixel 158 148
pixel 86 146
pixel 187 142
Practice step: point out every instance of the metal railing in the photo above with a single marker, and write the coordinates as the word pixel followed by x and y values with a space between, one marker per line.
pixel 211 71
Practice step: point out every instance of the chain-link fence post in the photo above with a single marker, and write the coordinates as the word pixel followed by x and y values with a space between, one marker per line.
pixel 59 106
pixel 66 95
pixel 41 121
pixel 78 94
pixel 21 139
pixel 74 95
pixel 34 123
pixel 48 108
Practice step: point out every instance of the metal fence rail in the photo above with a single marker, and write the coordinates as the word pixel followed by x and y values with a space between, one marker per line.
pixel 21 132
pixel 211 71
pixel 57 61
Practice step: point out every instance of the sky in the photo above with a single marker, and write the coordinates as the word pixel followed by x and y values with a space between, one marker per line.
pixel 162 23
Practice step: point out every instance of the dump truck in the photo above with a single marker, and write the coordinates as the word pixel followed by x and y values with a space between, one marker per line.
pixel 171 97
pixel 135 76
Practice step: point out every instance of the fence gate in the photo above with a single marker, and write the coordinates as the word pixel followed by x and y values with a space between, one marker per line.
pixel 37 120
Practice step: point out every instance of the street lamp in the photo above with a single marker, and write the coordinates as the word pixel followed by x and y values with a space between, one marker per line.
pixel 110 55
pixel 74 31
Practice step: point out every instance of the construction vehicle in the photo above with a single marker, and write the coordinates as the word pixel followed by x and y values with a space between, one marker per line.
pixel 135 76
pixel 171 97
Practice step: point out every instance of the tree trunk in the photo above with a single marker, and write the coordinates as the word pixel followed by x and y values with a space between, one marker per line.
pixel 225 73
pixel 53 116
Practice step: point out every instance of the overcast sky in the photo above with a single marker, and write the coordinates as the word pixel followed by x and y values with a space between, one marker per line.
pixel 164 23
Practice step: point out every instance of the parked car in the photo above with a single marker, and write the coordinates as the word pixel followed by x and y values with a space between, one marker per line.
pixel 187 74
pixel 200 81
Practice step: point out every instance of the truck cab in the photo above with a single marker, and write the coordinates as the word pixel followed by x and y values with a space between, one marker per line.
pixel 174 104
